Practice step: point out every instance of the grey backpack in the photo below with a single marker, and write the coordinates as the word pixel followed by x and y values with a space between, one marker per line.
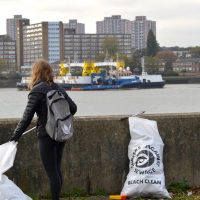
pixel 59 119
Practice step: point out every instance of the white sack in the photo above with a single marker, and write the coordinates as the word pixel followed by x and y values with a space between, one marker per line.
pixel 7 156
pixel 9 191
pixel 145 152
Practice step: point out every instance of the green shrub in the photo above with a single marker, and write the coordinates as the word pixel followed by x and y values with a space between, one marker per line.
pixel 170 73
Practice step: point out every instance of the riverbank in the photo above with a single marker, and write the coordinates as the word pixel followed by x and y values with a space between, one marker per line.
pixel 8 83
pixel 181 79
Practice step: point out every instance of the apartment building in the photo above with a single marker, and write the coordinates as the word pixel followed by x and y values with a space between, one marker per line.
pixel 19 42
pixel 43 40
pixel 11 25
pixel 8 52
pixel 55 41
pixel 113 25
pixel 73 24
pixel 140 29
pixel 78 47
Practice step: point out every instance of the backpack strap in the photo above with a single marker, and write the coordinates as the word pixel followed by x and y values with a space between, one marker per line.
pixel 54 101
pixel 50 96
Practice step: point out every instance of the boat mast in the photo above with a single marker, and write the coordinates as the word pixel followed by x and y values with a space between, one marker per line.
pixel 69 65
pixel 143 68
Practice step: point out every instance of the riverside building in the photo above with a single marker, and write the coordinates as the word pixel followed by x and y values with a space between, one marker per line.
pixel 140 29
pixel 11 25
pixel 187 65
pixel 113 25
pixel 56 42
pixel 8 52
pixel 43 40
pixel 19 42
pixel 73 24
pixel 78 47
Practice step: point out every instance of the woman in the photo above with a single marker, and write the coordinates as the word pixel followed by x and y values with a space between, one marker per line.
pixel 41 83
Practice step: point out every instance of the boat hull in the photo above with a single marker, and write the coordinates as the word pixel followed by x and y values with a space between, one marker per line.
pixel 84 87
pixel 22 86
pixel 152 85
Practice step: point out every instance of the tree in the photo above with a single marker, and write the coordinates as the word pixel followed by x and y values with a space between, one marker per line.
pixel 2 65
pixel 135 61
pixel 152 45
pixel 100 57
pixel 110 46
pixel 168 57
pixel 152 64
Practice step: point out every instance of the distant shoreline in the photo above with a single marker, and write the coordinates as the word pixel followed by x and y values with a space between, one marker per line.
pixel 8 83
pixel 181 79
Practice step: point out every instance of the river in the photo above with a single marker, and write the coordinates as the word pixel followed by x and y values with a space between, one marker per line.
pixel 180 98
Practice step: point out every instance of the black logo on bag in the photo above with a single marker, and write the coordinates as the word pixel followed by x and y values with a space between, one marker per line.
pixel 145 159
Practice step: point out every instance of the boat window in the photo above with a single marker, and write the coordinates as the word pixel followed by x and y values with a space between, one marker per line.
pixel 144 80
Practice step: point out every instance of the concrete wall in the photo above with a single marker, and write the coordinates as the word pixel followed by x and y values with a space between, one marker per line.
pixel 96 157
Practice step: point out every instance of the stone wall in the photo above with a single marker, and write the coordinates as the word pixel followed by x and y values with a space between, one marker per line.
pixel 96 157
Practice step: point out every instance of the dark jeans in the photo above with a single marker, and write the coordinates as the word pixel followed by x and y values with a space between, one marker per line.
pixel 51 155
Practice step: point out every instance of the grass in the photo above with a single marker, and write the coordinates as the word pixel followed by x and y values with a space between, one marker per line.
pixel 179 186
pixel 178 191
pixel 186 197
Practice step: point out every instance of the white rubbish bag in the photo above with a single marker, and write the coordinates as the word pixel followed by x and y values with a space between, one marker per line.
pixel 9 191
pixel 7 156
pixel 145 151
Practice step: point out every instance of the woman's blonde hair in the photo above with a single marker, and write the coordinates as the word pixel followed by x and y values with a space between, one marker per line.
pixel 41 71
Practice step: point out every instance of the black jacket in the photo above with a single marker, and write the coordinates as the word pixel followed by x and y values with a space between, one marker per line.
pixel 37 104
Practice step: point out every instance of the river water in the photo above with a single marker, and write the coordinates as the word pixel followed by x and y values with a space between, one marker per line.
pixel 180 98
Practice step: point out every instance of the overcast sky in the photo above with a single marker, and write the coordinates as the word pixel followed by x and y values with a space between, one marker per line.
pixel 178 21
